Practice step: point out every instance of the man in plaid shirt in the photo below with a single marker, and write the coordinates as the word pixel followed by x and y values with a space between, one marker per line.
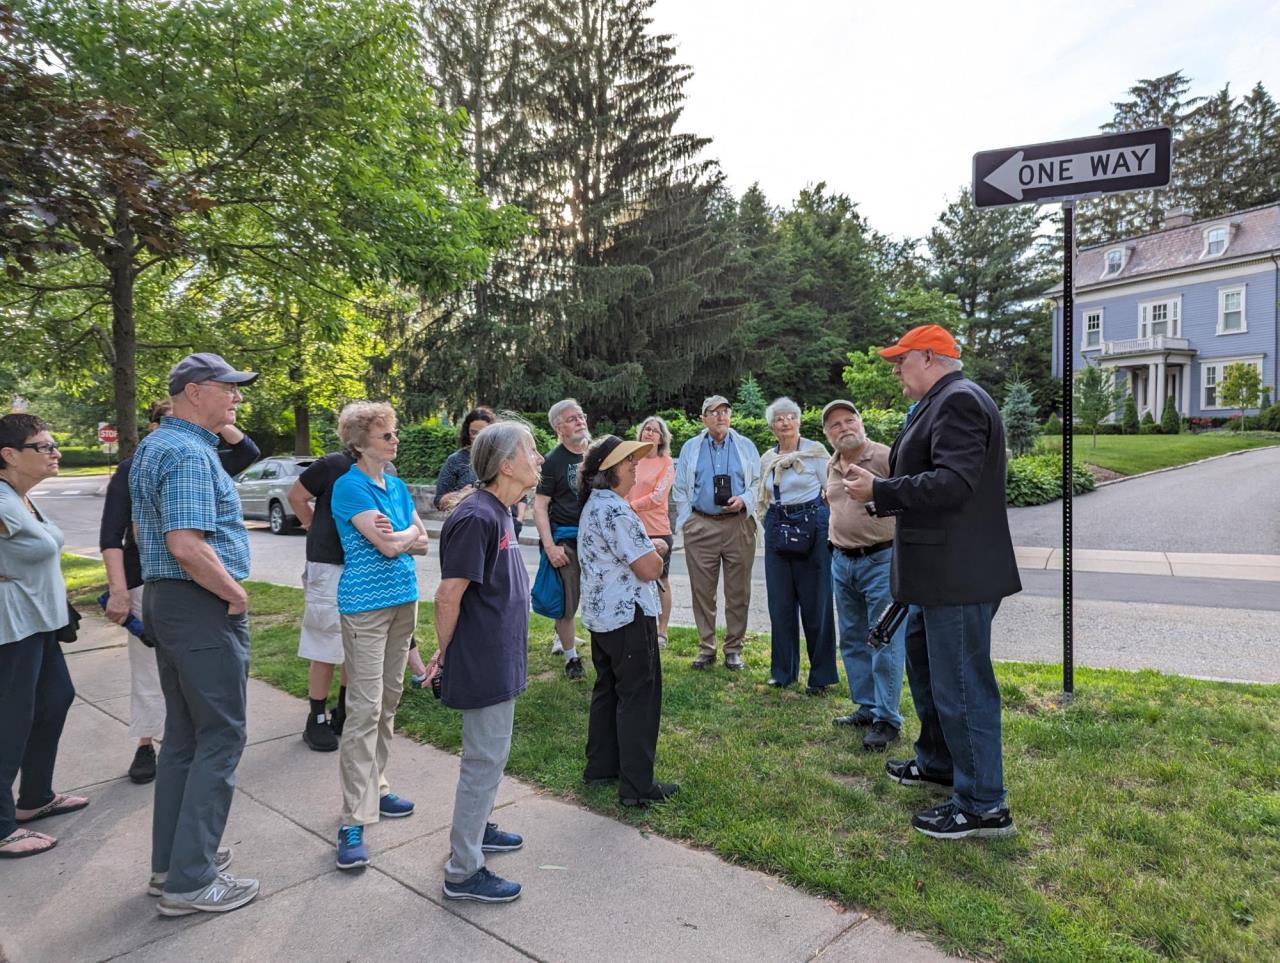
pixel 195 552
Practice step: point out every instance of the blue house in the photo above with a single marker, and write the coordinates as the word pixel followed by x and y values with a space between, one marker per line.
pixel 1168 312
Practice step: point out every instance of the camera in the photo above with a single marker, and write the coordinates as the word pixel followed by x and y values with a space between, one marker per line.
pixel 721 489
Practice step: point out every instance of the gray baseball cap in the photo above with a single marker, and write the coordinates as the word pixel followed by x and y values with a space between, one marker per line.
pixel 838 403
pixel 715 401
pixel 195 368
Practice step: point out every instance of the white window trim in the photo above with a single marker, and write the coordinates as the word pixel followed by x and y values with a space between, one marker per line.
pixel 1204 250
pixel 1221 365
pixel 1084 330
pixel 1222 310
pixel 1124 259
pixel 1144 326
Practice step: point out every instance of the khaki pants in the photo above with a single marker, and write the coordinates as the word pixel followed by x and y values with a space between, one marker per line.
pixel 709 544
pixel 376 647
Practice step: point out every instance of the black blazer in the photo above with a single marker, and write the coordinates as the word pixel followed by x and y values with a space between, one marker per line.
pixel 946 487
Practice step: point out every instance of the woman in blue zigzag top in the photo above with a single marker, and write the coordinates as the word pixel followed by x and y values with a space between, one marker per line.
pixel 378 605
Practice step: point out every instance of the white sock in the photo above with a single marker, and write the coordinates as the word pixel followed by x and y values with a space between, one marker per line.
pixel 570 654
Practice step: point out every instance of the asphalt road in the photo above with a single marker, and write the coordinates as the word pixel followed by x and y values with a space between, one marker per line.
pixel 1229 504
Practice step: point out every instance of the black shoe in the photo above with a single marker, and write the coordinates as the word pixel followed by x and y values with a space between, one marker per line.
pixel 949 821
pixel 733 662
pixel 337 719
pixel 703 661
pixel 815 690
pixel 777 684
pixel 143 768
pixel 318 734
pixel 906 772
pixel 859 719
pixel 660 793
pixel 882 734
pixel 573 670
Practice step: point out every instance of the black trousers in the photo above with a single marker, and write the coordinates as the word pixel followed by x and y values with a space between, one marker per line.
pixel 626 706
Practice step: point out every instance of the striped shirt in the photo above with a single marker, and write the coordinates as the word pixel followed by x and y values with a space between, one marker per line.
pixel 176 483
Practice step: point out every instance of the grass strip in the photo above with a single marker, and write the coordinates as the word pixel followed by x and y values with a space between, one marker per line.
pixel 1135 454
pixel 1148 808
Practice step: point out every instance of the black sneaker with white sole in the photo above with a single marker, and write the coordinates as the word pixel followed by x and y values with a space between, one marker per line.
pixel 574 671
pixel 907 772
pixel 949 821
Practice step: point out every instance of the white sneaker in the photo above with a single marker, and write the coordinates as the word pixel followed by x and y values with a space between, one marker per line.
pixel 223 895
pixel 221 860
pixel 556 647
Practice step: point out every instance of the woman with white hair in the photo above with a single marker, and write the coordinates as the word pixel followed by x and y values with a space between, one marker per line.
pixel 654 475
pixel 378 607
pixel 797 559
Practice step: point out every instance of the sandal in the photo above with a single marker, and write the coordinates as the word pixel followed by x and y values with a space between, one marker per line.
pixel 56 806
pixel 7 850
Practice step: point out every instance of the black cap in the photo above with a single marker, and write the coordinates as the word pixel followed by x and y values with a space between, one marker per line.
pixel 195 368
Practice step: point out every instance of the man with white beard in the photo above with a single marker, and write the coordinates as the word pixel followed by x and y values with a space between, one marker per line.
pixel 861 553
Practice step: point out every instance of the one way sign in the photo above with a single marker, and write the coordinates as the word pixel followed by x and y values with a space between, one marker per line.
pixel 1068 169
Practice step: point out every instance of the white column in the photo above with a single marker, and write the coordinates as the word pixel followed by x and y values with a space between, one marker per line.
pixel 1186 390
pixel 1149 396
pixel 1162 389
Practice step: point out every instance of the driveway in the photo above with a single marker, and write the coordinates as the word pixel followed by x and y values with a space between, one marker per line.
pixel 1229 504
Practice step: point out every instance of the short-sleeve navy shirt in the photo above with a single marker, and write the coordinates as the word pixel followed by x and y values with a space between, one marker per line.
pixel 487 660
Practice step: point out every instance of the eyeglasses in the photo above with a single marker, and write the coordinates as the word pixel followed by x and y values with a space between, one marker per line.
pixel 228 388
pixel 577 417
pixel 718 413
pixel 44 447
pixel 389 435
pixel 786 416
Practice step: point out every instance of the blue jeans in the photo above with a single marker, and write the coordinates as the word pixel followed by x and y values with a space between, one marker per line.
pixel 953 685
pixel 800 592
pixel 862 593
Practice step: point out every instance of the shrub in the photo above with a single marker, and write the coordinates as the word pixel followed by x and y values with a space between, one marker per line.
pixel 1269 420
pixel 1037 479
pixel 750 401
pixel 1129 420
pixel 1170 421
pixel 75 456
pixel 1054 425
pixel 1019 417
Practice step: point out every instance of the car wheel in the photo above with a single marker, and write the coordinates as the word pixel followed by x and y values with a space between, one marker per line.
pixel 278 519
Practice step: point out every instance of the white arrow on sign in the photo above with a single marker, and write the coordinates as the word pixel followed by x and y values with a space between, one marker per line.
pixel 1016 175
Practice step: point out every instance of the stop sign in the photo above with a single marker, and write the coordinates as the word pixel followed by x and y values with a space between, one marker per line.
pixel 107 434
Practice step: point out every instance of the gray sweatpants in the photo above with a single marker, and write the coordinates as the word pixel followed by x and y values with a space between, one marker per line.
pixel 486 743
pixel 203 656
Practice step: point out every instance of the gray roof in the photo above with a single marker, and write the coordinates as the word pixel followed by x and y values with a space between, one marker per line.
pixel 1254 232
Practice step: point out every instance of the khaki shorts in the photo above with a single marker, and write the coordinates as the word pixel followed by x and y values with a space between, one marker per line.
pixel 321 636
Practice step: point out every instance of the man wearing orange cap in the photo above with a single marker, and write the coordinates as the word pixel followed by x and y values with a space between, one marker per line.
pixel 953 562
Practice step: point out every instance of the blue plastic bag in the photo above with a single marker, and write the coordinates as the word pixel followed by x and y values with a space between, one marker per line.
pixel 548 590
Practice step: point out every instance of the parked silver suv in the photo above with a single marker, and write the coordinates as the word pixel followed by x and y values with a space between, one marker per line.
pixel 264 490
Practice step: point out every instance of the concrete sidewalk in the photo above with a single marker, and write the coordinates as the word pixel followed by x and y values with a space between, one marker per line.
pixel 594 889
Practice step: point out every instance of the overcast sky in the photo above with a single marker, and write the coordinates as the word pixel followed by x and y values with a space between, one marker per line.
pixel 888 101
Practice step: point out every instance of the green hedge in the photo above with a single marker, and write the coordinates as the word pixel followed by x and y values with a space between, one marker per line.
pixel 1037 479
pixel 425 446
pixel 77 456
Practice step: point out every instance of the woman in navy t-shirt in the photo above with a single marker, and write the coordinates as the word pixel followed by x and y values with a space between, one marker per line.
pixel 482 622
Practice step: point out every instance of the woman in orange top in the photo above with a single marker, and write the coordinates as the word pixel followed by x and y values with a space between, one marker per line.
pixel 648 498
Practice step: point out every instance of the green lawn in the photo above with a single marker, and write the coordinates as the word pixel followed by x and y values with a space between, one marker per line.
pixel 1148 808
pixel 1135 454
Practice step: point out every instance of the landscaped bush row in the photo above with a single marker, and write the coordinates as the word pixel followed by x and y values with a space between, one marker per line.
pixel 77 456
pixel 1037 479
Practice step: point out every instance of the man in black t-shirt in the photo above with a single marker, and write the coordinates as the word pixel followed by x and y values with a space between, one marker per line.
pixel 555 514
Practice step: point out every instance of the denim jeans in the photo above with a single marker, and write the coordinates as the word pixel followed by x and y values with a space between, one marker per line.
pixel 800 592
pixel 862 593
pixel 953 685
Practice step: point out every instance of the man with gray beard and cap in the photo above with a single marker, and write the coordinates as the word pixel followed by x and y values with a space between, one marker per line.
pixel 861 553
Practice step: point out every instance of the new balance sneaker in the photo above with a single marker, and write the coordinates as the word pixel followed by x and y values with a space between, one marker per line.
pixel 143 768
pixel 223 895
pixel 573 670
pixel 498 841
pixel 949 821
pixel 881 735
pixel 318 734
pixel 907 772
pixel 484 887
pixel 393 807
pixel 352 851
pixel 221 860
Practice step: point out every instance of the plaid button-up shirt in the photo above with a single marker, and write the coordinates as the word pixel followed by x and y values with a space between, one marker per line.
pixel 177 482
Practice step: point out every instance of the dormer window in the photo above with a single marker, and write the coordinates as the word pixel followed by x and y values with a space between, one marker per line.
pixel 1215 241
pixel 1114 262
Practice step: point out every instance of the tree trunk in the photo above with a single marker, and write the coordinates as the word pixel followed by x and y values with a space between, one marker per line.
pixel 124 341
pixel 301 428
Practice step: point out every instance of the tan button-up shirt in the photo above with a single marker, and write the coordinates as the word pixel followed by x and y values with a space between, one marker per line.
pixel 851 526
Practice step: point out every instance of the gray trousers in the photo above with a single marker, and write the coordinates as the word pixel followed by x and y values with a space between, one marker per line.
pixel 486 743
pixel 203 656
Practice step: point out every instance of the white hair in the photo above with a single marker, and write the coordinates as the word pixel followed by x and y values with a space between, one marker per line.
pixel 559 408
pixel 781 406
pixel 951 364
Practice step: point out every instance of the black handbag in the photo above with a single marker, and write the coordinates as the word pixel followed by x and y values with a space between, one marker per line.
pixel 794 535
pixel 69 632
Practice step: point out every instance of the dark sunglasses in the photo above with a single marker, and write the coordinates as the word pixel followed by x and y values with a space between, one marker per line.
pixel 388 435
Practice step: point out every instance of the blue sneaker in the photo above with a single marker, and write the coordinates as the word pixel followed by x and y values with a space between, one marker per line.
pixel 497 841
pixel 484 887
pixel 352 852
pixel 393 807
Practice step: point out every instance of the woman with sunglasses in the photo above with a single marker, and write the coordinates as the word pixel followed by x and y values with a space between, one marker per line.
pixel 35 687
pixel 378 607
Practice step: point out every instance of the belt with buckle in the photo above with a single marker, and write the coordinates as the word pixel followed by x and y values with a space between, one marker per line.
pixel 864 551
pixel 699 511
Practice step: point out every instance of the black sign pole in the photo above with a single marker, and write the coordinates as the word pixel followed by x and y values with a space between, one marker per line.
pixel 1068 422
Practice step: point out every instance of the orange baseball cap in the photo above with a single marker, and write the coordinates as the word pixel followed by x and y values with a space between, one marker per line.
pixel 928 336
